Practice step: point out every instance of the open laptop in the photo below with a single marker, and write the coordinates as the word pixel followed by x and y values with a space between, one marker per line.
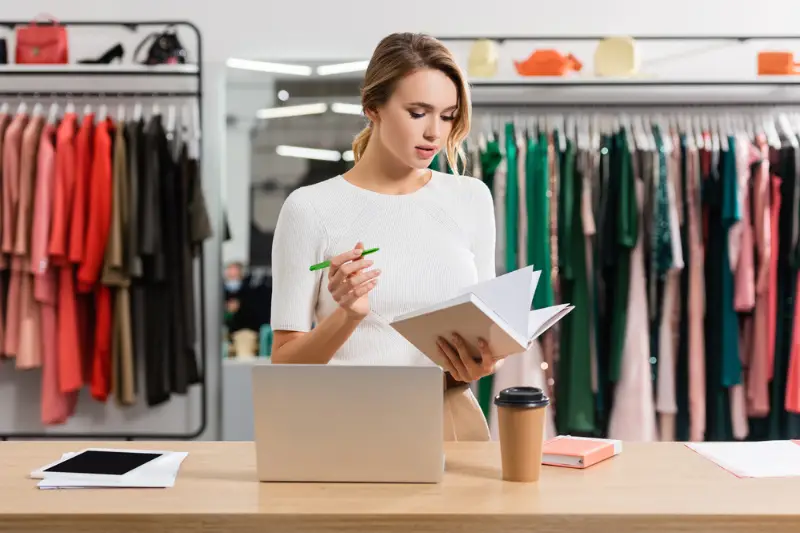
pixel 341 423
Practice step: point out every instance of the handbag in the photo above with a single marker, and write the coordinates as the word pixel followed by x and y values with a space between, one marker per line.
pixel 166 49
pixel 42 42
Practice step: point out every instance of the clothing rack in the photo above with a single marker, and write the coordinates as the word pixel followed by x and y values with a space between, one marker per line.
pixel 78 71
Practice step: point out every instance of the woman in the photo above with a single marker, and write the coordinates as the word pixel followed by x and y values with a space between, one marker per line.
pixel 435 231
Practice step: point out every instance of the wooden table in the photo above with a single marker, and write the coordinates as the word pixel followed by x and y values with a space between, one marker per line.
pixel 650 487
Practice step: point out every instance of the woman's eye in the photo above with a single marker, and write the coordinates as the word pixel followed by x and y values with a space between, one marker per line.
pixel 449 119
pixel 416 115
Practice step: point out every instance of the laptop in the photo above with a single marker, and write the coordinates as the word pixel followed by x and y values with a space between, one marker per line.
pixel 343 423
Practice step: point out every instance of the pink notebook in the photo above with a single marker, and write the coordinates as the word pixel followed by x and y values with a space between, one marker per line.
pixel 578 452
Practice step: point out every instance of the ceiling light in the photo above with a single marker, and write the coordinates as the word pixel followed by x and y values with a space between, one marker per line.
pixel 292 110
pixel 308 153
pixel 283 95
pixel 340 68
pixel 348 156
pixel 263 66
pixel 346 109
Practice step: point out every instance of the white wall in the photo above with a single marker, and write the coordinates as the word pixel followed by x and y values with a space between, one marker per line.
pixel 345 29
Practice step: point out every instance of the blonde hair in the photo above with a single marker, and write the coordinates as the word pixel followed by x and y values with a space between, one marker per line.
pixel 398 55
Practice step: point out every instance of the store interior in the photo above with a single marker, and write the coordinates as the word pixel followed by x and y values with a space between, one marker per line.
pixel 251 108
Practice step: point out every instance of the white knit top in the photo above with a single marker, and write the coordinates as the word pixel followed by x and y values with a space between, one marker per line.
pixel 433 243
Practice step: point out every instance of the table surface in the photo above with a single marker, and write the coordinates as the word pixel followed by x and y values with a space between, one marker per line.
pixel 649 487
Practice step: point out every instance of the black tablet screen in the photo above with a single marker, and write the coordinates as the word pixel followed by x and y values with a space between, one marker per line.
pixel 114 463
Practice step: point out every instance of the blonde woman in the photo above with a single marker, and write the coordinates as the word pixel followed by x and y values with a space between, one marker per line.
pixel 435 231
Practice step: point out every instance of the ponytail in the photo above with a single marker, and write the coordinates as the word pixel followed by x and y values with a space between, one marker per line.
pixel 361 141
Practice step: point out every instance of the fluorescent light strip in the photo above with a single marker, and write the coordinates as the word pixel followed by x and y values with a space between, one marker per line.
pixel 348 156
pixel 263 66
pixel 341 68
pixel 292 111
pixel 346 109
pixel 308 153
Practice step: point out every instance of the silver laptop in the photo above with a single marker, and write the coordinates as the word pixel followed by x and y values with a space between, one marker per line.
pixel 339 423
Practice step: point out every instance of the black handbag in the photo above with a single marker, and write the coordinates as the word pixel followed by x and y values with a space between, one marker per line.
pixel 166 49
pixel 3 52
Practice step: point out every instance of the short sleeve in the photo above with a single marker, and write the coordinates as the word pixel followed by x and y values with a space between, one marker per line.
pixel 484 232
pixel 299 242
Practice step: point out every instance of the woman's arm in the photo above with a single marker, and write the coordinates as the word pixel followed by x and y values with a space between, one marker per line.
pixel 316 346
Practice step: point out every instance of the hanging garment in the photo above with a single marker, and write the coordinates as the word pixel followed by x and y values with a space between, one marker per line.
pixel 56 406
pixel 29 350
pixel 97 231
pixel 84 299
pixel 696 305
pixel 522 223
pixel 633 414
pixel 136 162
pixel 70 358
pixel 763 323
pixel 115 277
pixel 12 145
pixel 575 400
pixel 5 120
pixel 512 198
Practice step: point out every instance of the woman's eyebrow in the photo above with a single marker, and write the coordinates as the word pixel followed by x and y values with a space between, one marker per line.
pixel 429 107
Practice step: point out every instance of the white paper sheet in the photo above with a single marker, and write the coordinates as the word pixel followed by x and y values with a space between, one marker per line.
pixel 779 458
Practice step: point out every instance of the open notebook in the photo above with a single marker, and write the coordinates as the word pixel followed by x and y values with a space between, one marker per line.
pixel 498 310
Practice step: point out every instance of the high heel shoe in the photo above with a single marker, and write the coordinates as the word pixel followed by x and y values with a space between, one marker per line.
pixel 115 52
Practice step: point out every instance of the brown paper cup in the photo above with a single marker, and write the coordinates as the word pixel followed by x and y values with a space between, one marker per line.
pixel 521 416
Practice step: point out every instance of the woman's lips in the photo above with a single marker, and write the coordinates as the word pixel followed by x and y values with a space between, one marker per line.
pixel 425 152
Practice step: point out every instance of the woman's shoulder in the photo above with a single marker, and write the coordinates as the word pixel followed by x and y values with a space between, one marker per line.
pixel 312 197
pixel 468 189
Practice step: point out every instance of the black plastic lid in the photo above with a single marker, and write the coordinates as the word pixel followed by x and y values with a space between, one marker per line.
pixel 524 397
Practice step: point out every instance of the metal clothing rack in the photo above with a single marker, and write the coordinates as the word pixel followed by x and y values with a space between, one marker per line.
pixel 194 72
pixel 533 83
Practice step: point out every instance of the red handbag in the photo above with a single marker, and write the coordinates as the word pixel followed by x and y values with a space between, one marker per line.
pixel 42 43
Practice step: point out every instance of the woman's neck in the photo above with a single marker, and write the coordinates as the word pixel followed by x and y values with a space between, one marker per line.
pixel 378 170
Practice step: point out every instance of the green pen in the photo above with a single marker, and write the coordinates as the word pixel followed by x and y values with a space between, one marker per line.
pixel 326 264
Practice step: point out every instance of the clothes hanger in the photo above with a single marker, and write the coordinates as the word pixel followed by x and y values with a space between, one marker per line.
pixel 53 115
pixel 171 118
pixel 70 107
pixel 22 108
pixel 87 110
pixel 38 109
pixel 121 113
pixel 137 111
pixel 102 113
pixel 4 108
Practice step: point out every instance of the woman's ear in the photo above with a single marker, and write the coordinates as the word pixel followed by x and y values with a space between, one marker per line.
pixel 372 115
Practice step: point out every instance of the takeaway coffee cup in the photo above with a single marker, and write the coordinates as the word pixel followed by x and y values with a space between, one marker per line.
pixel 521 416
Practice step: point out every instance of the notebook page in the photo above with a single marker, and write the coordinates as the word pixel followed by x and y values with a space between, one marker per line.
pixel 510 296
pixel 780 458
pixel 540 320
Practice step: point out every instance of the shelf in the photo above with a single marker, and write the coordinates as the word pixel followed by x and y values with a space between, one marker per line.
pixel 579 81
pixel 93 70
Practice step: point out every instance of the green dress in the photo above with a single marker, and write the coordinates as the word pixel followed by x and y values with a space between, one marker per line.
pixel 626 226
pixel 512 198
pixel 538 207
pixel 575 411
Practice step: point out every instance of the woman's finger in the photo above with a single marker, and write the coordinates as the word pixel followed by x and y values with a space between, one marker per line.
pixel 487 357
pixel 357 292
pixel 461 373
pixel 471 366
pixel 446 364
pixel 338 260
pixel 353 282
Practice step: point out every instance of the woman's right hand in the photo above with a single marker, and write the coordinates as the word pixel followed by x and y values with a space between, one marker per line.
pixel 349 283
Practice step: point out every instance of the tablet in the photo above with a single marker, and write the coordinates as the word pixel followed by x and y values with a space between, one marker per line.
pixel 100 463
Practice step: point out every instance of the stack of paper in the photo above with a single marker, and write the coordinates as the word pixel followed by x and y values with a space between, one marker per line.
pixel 159 473
pixel 778 458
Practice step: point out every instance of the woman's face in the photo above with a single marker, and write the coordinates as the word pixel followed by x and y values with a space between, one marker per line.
pixel 416 121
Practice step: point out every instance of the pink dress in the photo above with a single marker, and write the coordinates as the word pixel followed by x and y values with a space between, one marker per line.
pixel 763 320
pixel 633 417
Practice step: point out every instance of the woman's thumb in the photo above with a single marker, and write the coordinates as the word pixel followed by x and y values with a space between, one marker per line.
pixel 360 245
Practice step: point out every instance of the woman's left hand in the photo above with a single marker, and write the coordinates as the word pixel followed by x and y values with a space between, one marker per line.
pixel 460 361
